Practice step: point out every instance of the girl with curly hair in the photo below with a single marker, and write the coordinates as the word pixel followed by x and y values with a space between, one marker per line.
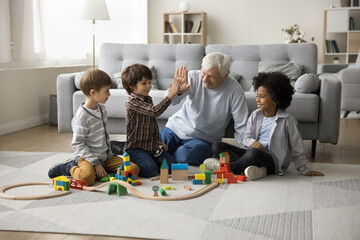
pixel 271 134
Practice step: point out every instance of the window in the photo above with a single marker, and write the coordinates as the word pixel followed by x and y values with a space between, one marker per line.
pixel 50 30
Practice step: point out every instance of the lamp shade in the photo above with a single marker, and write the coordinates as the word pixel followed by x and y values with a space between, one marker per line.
pixel 94 10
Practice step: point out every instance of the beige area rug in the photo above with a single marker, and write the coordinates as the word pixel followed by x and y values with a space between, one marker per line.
pixel 289 207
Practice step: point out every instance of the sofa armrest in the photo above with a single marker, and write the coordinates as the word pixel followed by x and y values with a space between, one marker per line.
pixel 330 106
pixel 65 88
pixel 330 68
pixel 350 76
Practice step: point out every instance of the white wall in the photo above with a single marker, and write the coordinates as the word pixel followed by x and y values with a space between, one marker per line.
pixel 24 96
pixel 247 21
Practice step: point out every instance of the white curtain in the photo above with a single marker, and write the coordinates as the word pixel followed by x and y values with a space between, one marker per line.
pixel 28 31
pixel 52 30
pixel 5 52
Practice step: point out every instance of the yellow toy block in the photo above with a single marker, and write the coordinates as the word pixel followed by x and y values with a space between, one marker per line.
pixel 220 181
pixel 127 168
pixel 200 176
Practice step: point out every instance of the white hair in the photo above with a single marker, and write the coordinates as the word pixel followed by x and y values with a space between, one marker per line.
pixel 216 59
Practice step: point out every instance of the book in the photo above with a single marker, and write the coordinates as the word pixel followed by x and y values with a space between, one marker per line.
pixel 173 28
pixel 195 26
pixel 335 46
pixel 199 28
pixel 352 25
pixel 188 26
pixel 167 27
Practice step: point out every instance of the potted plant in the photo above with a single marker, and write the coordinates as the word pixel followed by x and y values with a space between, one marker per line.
pixel 336 60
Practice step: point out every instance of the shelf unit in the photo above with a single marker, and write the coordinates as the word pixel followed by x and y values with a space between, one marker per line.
pixel 340 29
pixel 183 32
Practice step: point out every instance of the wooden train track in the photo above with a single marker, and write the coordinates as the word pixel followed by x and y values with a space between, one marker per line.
pixel 128 186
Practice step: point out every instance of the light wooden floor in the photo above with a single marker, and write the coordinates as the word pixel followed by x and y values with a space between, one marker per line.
pixel 45 138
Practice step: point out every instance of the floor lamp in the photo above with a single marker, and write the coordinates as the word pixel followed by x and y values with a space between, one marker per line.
pixel 94 10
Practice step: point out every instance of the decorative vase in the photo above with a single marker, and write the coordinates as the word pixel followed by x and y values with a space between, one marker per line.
pixel 184 6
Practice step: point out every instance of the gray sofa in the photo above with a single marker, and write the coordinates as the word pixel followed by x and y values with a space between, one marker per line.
pixel 318 113
pixel 349 76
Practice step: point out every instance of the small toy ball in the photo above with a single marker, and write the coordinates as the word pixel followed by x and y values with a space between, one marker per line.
pixel 202 168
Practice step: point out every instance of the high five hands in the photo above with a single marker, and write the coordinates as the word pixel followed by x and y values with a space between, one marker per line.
pixel 180 83
pixel 182 74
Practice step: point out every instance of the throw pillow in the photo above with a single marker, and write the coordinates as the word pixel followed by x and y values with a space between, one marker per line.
pixel 154 83
pixel 236 76
pixel 307 83
pixel 118 80
pixel 292 70
pixel 78 77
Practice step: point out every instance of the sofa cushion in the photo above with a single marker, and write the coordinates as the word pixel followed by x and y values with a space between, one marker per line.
pixel 245 58
pixel 154 83
pixel 304 106
pixel 307 83
pixel 79 75
pixel 166 58
pixel 290 69
pixel 115 105
pixel 236 76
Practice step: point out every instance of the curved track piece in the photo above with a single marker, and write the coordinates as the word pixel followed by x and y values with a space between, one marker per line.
pixel 122 183
pixel 143 196
pixel 5 188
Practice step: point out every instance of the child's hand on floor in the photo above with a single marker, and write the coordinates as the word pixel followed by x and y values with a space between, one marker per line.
pixel 100 171
pixel 314 173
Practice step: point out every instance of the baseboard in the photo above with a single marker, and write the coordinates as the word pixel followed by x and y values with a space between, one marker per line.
pixel 23 124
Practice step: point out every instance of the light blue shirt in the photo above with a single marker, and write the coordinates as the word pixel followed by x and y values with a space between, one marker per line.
pixel 265 129
pixel 206 112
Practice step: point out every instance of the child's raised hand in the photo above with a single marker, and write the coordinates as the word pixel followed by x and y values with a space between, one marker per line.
pixel 314 173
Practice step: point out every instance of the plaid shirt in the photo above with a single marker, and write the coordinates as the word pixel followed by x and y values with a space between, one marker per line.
pixel 141 127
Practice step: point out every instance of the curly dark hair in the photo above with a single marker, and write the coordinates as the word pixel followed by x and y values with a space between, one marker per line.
pixel 133 74
pixel 278 86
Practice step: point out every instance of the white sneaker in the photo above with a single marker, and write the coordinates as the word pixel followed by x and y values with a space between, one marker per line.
pixel 212 164
pixel 254 172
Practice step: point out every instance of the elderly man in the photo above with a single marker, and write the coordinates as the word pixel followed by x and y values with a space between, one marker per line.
pixel 212 98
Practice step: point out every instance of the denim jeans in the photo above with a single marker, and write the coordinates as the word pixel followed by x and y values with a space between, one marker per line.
pixel 241 158
pixel 193 151
pixel 148 164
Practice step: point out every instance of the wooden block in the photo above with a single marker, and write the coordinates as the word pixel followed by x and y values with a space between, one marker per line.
pixel 180 175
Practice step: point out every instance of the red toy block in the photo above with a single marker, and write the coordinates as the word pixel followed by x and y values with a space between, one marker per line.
pixel 128 173
pixel 231 180
pixel 241 178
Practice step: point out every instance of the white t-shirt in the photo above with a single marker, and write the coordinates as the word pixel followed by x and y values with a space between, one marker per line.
pixel 264 136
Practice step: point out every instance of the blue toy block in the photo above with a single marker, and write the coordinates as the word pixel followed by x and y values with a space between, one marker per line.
pixel 197 181
pixel 126 163
pixel 179 166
